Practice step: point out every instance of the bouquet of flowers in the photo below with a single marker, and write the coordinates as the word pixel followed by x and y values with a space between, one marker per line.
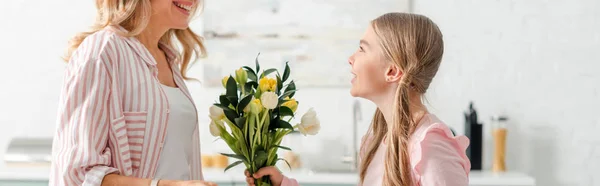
pixel 253 116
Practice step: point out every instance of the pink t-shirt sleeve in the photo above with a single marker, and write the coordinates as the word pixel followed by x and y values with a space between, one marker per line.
pixel 289 182
pixel 441 158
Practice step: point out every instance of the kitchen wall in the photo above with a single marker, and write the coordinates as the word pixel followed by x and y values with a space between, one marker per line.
pixel 533 61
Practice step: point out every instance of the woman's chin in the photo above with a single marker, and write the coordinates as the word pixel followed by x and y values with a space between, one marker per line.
pixel 353 92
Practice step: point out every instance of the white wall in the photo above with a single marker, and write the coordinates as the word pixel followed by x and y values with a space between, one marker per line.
pixel 531 60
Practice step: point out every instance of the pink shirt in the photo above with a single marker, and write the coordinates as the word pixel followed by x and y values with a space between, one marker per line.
pixel 437 157
pixel 113 113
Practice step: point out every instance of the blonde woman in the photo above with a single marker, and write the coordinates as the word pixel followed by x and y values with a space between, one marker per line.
pixel 406 145
pixel 125 115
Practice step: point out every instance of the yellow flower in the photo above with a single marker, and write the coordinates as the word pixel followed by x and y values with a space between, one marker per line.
pixel 267 84
pixel 254 107
pixel 224 81
pixel 241 76
pixel 258 105
pixel 292 104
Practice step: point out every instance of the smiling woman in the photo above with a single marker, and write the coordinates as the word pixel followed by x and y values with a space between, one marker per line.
pixel 125 115
pixel 184 7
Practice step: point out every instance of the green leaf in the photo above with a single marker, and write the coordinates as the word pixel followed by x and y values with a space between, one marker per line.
pixel 243 103
pixel 251 73
pixel 286 162
pixel 230 114
pixel 252 77
pixel 279 84
pixel 249 89
pixel 285 111
pixel 283 147
pixel 223 107
pixel 274 124
pixel 286 72
pixel 267 72
pixel 253 83
pixel 260 158
pixel 232 165
pixel 285 124
pixel 233 101
pixel 231 90
pixel 257 65
pixel 291 87
pixel 236 156
pixel 240 122
pixel 224 100
pixel 286 94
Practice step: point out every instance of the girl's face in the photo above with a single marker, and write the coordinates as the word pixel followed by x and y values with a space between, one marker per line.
pixel 369 67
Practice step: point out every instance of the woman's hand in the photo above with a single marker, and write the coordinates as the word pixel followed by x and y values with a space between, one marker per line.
pixel 185 183
pixel 272 172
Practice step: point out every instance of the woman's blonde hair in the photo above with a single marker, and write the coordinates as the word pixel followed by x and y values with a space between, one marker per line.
pixel 134 15
pixel 414 44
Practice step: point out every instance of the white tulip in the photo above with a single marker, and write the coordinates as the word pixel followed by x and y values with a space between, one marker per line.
pixel 269 100
pixel 309 124
pixel 214 128
pixel 216 113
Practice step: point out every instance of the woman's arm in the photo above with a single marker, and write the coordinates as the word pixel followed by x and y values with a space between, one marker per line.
pixel 80 152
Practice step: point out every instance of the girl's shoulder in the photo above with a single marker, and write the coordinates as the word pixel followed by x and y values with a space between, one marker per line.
pixel 434 139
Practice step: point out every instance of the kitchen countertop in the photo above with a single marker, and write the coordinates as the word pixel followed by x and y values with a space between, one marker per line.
pixel 40 173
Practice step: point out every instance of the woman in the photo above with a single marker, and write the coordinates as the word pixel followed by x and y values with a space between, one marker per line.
pixel 406 145
pixel 125 115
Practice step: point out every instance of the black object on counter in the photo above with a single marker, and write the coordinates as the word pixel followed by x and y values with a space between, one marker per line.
pixel 474 131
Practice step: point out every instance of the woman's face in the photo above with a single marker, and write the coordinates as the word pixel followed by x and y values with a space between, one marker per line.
pixel 174 14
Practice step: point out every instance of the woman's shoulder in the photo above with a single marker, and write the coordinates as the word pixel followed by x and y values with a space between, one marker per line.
pixel 100 44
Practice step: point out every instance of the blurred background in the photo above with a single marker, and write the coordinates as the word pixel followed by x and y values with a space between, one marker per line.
pixel 534 62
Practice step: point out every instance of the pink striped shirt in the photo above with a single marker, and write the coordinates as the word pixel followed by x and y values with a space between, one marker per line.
pixel 113 113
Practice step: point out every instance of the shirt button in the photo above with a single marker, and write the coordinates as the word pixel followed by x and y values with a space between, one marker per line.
pixel 168 110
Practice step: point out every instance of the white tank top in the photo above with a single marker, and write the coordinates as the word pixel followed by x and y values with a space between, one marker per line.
pixel 175 157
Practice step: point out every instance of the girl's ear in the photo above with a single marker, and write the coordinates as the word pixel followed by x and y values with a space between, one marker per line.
pixel 393 74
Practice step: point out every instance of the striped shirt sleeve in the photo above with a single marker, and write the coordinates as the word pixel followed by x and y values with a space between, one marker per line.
pixel 80 152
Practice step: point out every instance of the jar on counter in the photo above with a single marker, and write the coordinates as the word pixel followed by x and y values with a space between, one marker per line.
pixel 499 133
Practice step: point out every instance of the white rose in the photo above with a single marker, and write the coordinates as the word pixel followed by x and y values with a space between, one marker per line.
pixel 216 113
pixel 309 124
pixel 269 100
pixel 214 128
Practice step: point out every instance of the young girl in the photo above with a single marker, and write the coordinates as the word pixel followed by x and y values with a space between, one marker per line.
pixel 406 145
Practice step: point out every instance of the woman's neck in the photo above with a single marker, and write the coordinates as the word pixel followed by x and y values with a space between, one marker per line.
pixel 151 36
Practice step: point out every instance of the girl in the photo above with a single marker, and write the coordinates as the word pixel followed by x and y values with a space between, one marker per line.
pixel 125 115
pixel 406 145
